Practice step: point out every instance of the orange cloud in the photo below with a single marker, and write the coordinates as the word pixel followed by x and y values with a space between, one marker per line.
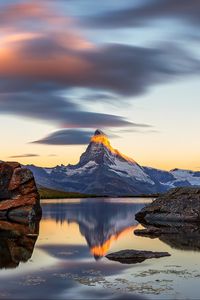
pixel 47 54
pixel 59 68
pixel 41 45
pixel 25 10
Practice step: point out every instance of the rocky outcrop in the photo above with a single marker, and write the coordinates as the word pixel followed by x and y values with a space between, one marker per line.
pixel 134 256
pixel 179 205
pixel 174 218
pixel 19 198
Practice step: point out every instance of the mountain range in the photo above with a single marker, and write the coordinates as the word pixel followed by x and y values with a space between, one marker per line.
pixel 103 170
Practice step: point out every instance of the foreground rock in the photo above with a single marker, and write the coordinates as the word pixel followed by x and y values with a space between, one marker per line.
pixel 19 198
pixel 179 205
pixel 134 256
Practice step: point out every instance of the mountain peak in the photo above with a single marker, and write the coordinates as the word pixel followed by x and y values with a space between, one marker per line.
pixel 100 141
pixel 100 137
pixel 101 152
pixel 99 132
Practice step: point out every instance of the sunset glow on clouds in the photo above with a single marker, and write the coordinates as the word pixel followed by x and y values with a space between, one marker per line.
pixel 56 69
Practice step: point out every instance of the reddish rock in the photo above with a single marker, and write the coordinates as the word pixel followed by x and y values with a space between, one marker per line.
pixel 19 198
pixel 19 177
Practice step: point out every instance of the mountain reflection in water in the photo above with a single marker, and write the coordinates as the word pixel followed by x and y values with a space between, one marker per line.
pixel 63 267
pixel 100 223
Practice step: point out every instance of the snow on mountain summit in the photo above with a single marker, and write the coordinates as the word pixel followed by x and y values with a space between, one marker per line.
pixel 100 144
pixel 100 153
pixel 103 170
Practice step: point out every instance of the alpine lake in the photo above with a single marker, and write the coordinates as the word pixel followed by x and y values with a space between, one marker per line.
pixel 63 256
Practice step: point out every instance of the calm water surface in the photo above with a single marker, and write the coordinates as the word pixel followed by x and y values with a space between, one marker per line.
pixel 67 259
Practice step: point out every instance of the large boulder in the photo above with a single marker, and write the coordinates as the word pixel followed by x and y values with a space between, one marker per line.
pixel 19 198
pixel 179 205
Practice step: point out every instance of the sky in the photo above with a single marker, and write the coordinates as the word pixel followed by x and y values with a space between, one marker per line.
pixel 128 67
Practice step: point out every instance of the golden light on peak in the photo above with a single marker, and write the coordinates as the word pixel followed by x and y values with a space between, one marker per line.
pixel 102 139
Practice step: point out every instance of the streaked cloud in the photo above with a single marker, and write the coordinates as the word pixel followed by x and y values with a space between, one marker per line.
pixel 66 137
pixel 24 155
pixel 57 110
pixel 45 55
pixel 151 10
pixel 121 69
pixel 77 136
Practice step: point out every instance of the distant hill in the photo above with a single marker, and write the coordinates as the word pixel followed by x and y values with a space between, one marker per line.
pixel 46 193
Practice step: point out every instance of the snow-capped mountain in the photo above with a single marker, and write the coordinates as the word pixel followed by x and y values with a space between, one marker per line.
pixel 192 177
pixel 103 170
pixel 174 178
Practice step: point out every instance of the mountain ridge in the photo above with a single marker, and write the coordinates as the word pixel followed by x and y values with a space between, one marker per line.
pixel 103 170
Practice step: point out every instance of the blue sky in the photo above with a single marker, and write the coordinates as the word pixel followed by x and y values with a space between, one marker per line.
pixel 128 67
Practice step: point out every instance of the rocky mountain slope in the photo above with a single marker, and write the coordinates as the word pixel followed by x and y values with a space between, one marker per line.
pixel 103 170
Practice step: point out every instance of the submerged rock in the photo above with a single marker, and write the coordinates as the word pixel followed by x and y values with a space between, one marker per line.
pixel 134 256
pixel 19 198
pixel 176 206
